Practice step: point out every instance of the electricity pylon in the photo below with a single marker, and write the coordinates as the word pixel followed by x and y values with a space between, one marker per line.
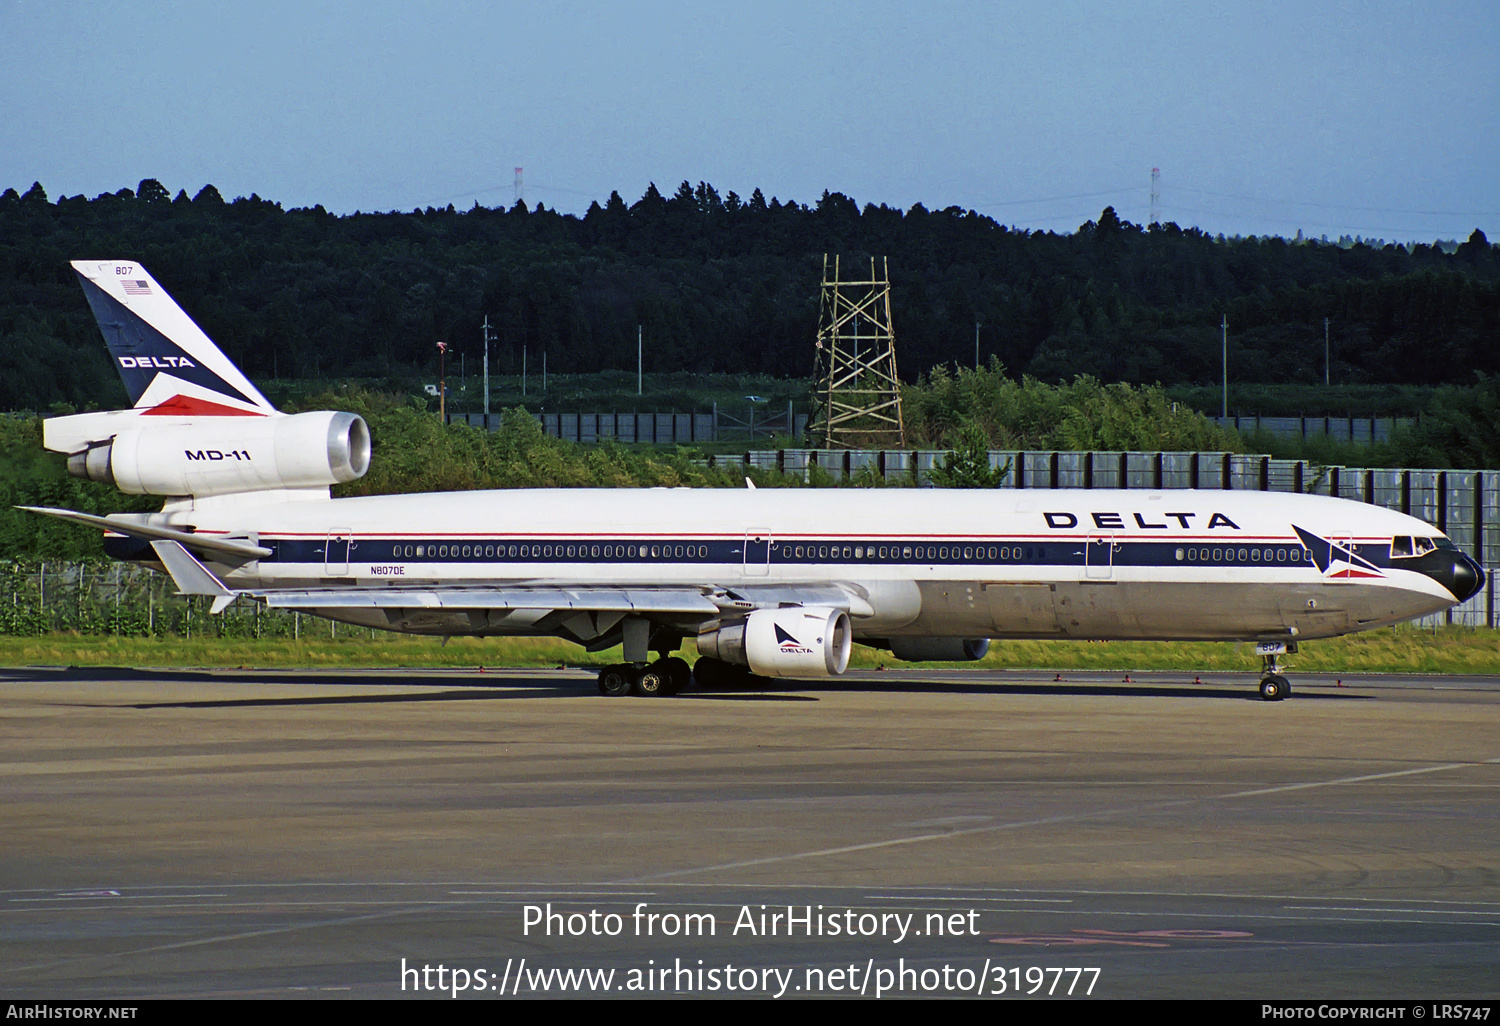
pixel 859 395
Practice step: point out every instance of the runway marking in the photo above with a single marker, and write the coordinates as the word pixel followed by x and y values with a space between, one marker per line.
pixel 1047 821
pixel 1359 780
pixel 226 938
pixel 924 897
pixel 563 894
pixel 1408 911
pixel 117 894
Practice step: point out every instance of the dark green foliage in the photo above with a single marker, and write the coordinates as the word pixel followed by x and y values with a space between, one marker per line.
pixel 414 453
pixel 968 463
pixel 950 410
pixel 724 285
pixel 31 476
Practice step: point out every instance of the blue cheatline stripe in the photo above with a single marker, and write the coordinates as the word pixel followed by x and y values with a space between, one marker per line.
pixel 1058 552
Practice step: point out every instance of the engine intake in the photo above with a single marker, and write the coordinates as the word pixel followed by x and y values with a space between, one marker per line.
pixel 798 641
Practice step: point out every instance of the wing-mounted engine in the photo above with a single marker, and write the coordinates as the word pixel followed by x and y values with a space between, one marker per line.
pixel 939 650
pixel 206 456
pixel 797 641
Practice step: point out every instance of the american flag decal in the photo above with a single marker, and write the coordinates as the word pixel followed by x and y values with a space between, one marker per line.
pixel 136 288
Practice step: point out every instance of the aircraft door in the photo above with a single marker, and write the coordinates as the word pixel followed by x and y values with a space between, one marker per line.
pixel 757 553
pixel 1099 556
pixel 336 553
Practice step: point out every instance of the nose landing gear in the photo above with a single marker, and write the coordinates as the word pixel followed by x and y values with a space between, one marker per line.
pixel 1273 686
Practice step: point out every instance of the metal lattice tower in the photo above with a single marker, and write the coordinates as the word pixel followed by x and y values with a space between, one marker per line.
pixel 1155 194
pixel 520 192
pixel 859 395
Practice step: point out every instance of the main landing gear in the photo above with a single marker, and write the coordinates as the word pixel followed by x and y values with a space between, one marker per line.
pixel 663 678
pixel 1273 686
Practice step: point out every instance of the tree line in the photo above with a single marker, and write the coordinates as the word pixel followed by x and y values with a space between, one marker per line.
pixel 727 284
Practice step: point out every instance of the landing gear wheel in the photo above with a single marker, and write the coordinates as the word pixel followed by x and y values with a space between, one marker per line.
pixel 716 675
pixel 706 673
pixel 679 673
pixel 651 682
pixel 614 681
pixel 1275 687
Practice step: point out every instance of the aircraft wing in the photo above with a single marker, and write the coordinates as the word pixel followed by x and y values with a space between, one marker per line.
pixel 602 600
pixel 642 600
pixel 593 616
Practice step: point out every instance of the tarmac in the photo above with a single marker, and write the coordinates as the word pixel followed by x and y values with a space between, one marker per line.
pixel 171 833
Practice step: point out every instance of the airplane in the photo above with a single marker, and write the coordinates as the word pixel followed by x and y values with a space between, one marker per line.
pixel 769 582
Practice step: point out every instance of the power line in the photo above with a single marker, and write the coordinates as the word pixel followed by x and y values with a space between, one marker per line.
pixel 1341 206
pixel 1056 199
pixel 1309 222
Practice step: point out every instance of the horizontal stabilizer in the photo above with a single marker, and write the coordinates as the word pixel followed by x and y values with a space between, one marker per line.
pixel 239 551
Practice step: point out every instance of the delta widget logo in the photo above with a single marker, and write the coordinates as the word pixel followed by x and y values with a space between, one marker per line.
pixel 788 644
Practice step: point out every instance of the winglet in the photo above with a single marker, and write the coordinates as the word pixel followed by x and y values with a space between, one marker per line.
pixel 191 576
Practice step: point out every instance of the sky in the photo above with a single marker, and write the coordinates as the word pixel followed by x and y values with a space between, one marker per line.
pixel 1379 119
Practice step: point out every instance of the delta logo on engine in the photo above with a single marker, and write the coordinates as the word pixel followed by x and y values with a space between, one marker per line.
pixel 789 645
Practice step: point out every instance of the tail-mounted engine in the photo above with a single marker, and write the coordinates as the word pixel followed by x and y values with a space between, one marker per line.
pixel 798 641
pixel 226 455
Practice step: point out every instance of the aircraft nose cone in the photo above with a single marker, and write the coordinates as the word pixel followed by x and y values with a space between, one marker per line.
pixel 1468 577
pixel 1457 572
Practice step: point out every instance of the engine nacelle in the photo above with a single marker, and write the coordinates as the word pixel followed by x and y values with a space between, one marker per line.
pixel 939 650
pixel 227 455
pixel 798 641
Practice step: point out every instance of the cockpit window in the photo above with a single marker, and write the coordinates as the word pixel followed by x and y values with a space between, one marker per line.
pixel 1404 546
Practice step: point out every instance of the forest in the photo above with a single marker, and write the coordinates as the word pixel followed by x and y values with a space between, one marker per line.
pixel 724 284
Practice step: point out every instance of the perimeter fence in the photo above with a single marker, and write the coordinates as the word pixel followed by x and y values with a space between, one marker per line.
pixel 106 598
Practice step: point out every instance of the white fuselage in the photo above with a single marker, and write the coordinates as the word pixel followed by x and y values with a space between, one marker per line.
pixel 973 563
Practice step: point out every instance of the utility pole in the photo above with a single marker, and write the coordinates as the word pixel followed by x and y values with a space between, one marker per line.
pixel 443 383
pixel 523 370
pixel 976 343
pixel 638 364
pixel 544 372
pixel 486 371
pixel 1225 326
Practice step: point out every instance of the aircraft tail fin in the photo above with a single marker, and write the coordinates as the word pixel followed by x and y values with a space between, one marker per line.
pixel 169 366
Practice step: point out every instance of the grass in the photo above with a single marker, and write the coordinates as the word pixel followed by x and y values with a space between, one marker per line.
pixel 1448 650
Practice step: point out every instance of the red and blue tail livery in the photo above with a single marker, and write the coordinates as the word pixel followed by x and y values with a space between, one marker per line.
pixel 169 366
